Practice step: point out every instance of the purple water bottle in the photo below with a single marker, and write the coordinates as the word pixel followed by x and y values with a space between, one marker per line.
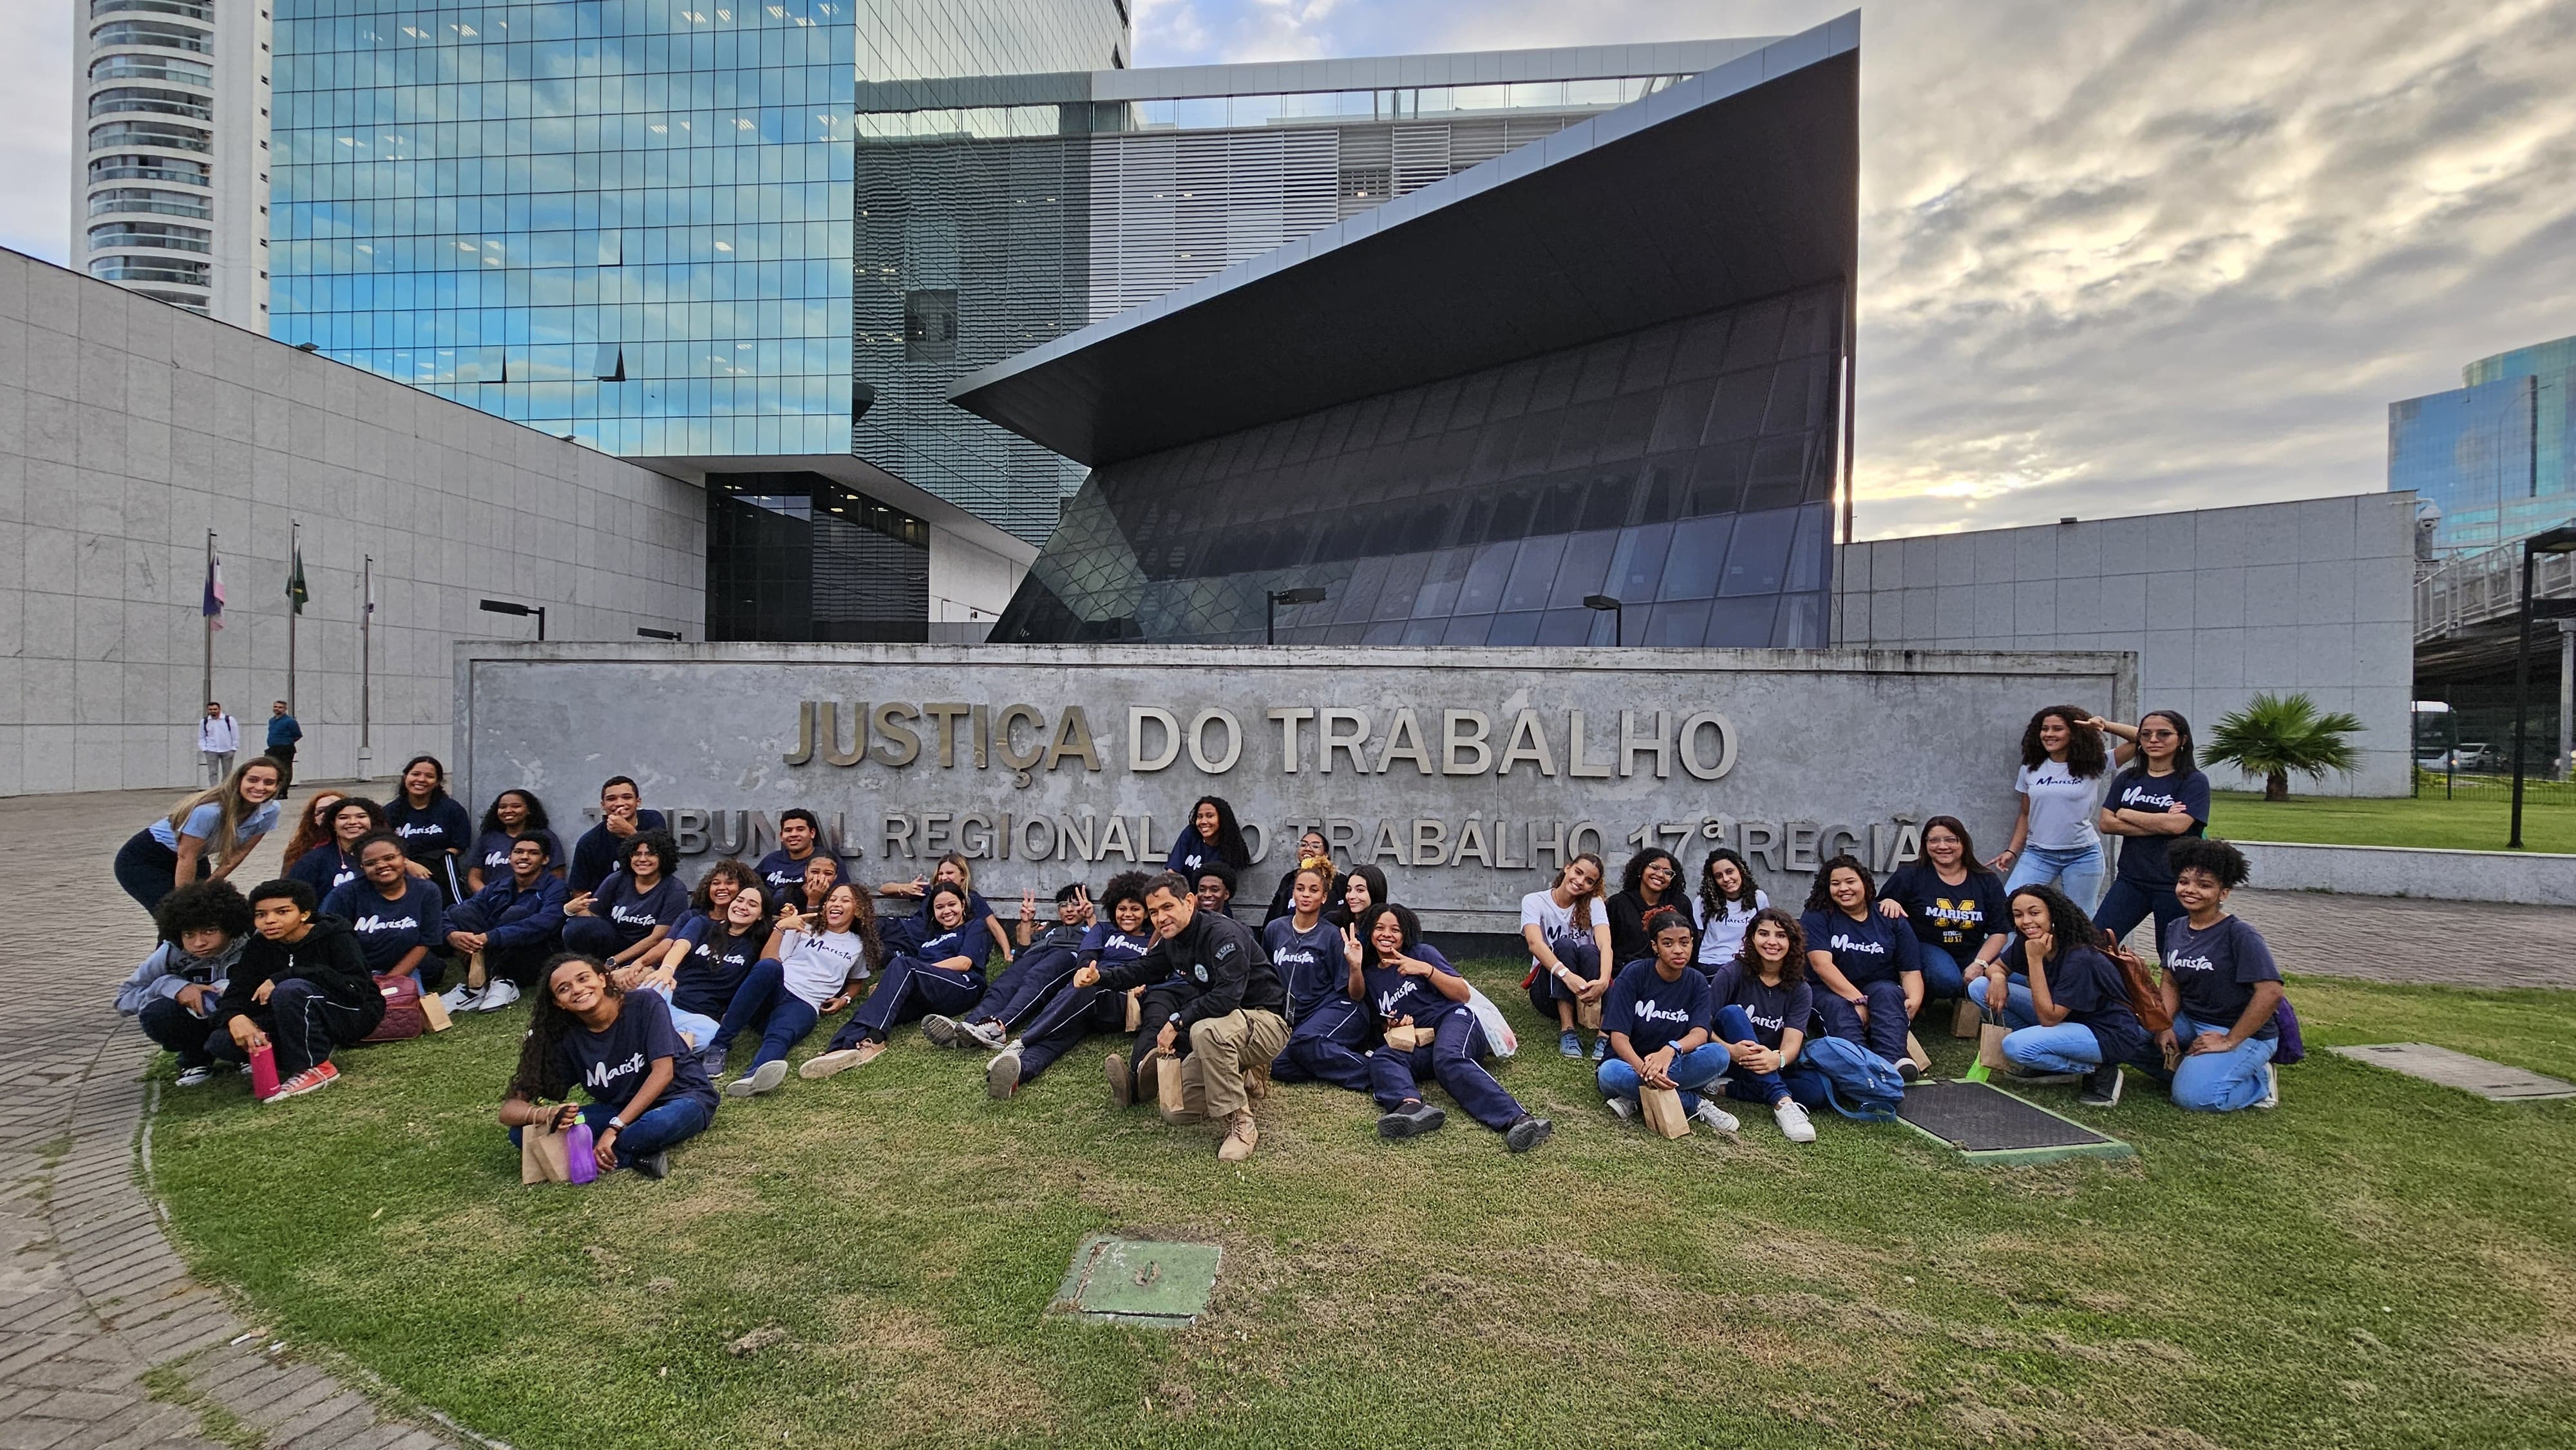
pixel 579 1153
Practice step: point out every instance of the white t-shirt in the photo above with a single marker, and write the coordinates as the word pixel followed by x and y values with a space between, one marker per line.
pixel 820 963
pixel 2061 806
pixel 1554 922
pixel 1721 936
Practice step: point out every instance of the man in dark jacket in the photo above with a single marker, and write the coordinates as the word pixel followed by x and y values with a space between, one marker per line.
pixel 302 987
pixel 621 816
pixel 506 931
pixel 1222 1007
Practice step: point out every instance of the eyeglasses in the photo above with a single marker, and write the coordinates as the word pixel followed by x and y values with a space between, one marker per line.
pixel 2158 735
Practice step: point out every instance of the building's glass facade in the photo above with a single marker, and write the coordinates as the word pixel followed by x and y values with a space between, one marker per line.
pixel 796 556
pixel 624 222
pixel 1685 470
pixel 2493 454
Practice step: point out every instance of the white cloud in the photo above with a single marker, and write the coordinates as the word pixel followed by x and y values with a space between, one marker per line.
pixel 35 127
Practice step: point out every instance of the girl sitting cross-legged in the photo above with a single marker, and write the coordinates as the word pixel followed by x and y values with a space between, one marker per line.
pixel 1657 1018
pixel 647 1092
pixel 1763 1007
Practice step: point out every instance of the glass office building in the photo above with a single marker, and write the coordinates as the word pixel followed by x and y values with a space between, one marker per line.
pixel 2492 454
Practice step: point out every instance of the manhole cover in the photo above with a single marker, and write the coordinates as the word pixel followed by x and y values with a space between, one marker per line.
pixel 2491 1080
pixel 1138 1281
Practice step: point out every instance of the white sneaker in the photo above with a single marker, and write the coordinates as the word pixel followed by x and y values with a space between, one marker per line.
pixel 1793 1123
pixel 196 1076
pixel 2271 1086
pixel 460 999
pixel 1624 1107
pixel 990 1034
pixel 1715 1116
pixel 496 996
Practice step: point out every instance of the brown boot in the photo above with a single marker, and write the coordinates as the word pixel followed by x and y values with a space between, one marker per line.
pixel 1122 1089
pixel 1256 1081
pixel 1240 1136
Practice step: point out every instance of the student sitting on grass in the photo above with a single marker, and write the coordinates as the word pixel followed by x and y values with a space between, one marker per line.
pixel 505 932
pixel 1310 847
pixel 1567 930
pixel 172 995
pixel 1657 1016
pixel 302 988
pixel 1061 1018
pixel 1044 966
pixel 635 908
pixel 1652 879
pixel 332 862
pixel 1214 881
pixel 806 975
pixel 1727 900
pixel 1212 996
pixel 1761 1005
pixel 1871 979
pixel 2084 1025
pixel 1328 1028
pixel 800 836
pixel 822 873
pixel 706 960
pixel 647 1092
pixel 906 934
pixel 395 914
pixel 2220 986
pixel 1420 1003
pixel 1953 902
pixel 513 816
pixel 944 972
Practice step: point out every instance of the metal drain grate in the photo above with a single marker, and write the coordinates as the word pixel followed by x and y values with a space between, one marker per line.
pixel 1159 1285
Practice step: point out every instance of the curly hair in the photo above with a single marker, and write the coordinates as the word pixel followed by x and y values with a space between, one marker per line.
pixel 863 916
pixel 2085 754
pixel 1632 877
pixel 1667 916
pixel 664 849
pixel 1366 926
pixel 200 905
pixel 1794 970
pixel 1820 895
pixel 1125 886
pixel 2218 858
pixel 536 820
pixel 540 1076
pixel 1713 902
pixel 1229 831
pixel 2068 926
pixel 313 824
pixel 1583 904
pixel 729 869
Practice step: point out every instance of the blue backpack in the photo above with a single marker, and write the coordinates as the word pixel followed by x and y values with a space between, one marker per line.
pixel 1858 1082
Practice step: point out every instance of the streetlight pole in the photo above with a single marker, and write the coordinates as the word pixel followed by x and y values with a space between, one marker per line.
pixel 522 611
pixel 1618 615
pixel 1311 594
pixel 2560 540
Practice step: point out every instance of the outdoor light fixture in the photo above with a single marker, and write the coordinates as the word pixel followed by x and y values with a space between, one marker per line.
pixel 672 635
pixel 2560 540
pixel 504 606
pixel 1311 594
pixel 1618 615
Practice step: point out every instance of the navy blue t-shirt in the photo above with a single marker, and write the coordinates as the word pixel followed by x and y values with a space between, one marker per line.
pixel 2142 858
pixel 708 976
pixel 1873 949
pixel 1110 947
pixel 2214 972
pixel 635 913
pixel 492 852
pixel 1957 919
pixel 1655 1013
pixel 611 1065
pixel 1773 1010
pixel 428 831
pixel 970 940
pixel 1310 964
pixel 1191 852
pixel 387 929
pixel 1395 996
pixel 2089 986
pixel 326 868
pixel 784 876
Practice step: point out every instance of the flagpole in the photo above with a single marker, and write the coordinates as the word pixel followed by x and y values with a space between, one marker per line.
pixel 206 683
pixel 366 667
pixel 294 606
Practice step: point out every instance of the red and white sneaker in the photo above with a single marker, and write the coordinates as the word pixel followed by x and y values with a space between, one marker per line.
pixel 311 1079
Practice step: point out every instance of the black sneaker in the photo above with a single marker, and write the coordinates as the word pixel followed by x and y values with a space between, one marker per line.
pixel 2101 1087
pixel 942 1031
pixel 1411 1121
pixel 1526 1134
pixel 656 1166
pixel 1906 1069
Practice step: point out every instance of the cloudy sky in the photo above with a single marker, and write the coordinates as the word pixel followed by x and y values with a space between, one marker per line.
pixel 2116 257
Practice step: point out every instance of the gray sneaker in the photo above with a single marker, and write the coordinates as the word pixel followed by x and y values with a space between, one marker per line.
pixel 712 1062
pixel 987 1032
pixel 1002 1074
pixel 764 1078
pixel 942 1031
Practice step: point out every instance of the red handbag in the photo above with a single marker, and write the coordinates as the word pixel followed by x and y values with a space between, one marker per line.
pixel 403 1017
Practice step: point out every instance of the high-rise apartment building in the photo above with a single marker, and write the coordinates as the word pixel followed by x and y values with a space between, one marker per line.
pixel 170 174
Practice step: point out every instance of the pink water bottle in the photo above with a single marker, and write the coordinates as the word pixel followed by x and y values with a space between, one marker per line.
pixel 581 1155
pixel 263 1073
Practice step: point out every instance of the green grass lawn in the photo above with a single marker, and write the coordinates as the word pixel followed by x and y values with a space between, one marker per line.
pixel 2378 1263
pixel 2476 819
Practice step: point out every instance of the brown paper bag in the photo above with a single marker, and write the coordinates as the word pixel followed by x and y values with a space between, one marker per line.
pixel 1914 1049
pixel 1135 1008
pixel 544 1156
pixel 1964 1019
pixel 434 1012
pixel 1179 1090
pixel 1990 1046
pixel 1662 1110
pixel 1587 1015
pixel 1407 1038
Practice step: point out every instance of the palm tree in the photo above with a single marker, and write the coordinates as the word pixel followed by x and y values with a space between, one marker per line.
pixel 2275 735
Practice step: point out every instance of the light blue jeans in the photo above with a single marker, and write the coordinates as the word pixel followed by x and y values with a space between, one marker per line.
pixel 2077 873
pixel 2018 1011
pixel 2066 1047
pixel 1690 1071
pixel 698 1029
pixel 2219 1082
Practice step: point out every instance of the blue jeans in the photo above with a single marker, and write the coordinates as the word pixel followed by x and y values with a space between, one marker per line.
pixel 667 1124
pixel 2127 903
pixel 783 1016
pixel 699 1028
pixel 1691 1070
pixel 2077 873
pixel 2066 1047
pixel 2018 1010
pixel 1743 1084
pixel 1885 1032
pixel 1942 978
pixel 2219 1082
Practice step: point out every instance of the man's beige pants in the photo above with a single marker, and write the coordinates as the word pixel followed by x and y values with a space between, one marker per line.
pixel 1221 1049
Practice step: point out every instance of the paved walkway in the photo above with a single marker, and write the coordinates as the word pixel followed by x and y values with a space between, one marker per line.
pixel 92 1299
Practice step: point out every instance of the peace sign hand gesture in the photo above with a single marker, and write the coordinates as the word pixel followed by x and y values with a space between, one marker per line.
pixel 1351 945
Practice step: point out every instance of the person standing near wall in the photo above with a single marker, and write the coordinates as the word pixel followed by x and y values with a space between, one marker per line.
pixel 2161 800
pixel 283 732
pixel 2064 771
pixel 218 740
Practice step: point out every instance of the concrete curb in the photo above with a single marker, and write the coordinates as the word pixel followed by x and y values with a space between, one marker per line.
pixel 2519 877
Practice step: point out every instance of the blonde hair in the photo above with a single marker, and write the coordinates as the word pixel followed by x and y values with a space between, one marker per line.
pixel 228 797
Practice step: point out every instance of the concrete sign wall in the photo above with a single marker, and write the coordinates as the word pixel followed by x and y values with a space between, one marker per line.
pixel 1467 775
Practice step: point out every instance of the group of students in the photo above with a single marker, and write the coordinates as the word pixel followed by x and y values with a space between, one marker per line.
pixel 642 988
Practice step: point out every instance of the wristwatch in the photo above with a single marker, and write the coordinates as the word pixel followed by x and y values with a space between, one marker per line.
pixel 617 1124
